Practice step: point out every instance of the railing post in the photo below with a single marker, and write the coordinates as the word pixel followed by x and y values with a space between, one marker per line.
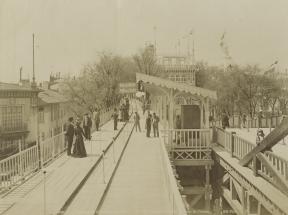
pixel 270 124
pixel 21 172
pixel 232 142
pixel 254 165
pixel 103 166
pixel 214 135
pixel 41 154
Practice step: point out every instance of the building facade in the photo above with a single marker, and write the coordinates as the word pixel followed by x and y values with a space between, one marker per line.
pixel 52 113
pixel 177 68
pixel 18 106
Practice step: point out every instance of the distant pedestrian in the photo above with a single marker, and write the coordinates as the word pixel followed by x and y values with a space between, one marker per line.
pixel 211 120
pixel 127 106
pixel 137 121
pixel 122 112
pixel 259 136
pixel 260 116
pixel 178 125
pixel 87 124
pixel 225 121
pixel 148 124
pixel 97 119
pixel 69 133
pixel 115 118
pixel 156 125
pixel 143 107
pixel 244 120
pixel 79 146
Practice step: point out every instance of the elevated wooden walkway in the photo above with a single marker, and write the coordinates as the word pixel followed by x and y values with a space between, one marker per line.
pixel 62 179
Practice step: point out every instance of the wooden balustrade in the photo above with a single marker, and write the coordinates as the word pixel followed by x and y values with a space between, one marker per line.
pixel 236 122
pixel 188 138
pixel 18 166
pixel 239 147
pixel 52 147
pixel 14 169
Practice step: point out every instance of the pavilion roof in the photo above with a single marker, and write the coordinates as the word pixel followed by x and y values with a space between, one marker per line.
pixel 161 82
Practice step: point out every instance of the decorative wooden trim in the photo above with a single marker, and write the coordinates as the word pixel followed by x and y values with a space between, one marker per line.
pixel 280 181
pixel 270 140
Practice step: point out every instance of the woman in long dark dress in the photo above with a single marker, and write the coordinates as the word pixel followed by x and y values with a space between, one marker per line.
pixel 79 147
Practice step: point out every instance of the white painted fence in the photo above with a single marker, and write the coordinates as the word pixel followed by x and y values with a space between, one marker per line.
pixel 16 168
pixel 175 198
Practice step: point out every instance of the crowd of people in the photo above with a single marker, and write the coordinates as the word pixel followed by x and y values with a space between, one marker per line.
pixel 76 134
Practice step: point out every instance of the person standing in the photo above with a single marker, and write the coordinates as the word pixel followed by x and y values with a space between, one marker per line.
pixel 122 114
pixel 155 125
pixel 178 125
pixel 87 124
pixel 115 118
pixel 148 125
pixel 260 116
pixel 127 104
pixel 137 121
pixel 69 133
pixel 97 119
pixel 143 107
pixel 225 121
pixel 79 147
pixel 244 120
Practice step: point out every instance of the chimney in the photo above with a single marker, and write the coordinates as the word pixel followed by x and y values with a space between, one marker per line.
pixel 20 74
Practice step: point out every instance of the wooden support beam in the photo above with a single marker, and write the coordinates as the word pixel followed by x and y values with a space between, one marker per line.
pixel 244 201
pixel 195 200
pixel 233 191
pixel 235 205
pixel 269 141
pixel 225 178
pixel 239 190
pixel 193 190
pixel 280 181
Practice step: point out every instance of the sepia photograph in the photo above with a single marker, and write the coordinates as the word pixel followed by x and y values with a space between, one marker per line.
pixel 143 107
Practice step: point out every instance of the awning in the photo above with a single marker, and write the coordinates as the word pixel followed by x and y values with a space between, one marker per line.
pixel 176 86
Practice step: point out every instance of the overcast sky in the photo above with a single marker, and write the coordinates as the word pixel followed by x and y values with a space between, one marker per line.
pixel 71 33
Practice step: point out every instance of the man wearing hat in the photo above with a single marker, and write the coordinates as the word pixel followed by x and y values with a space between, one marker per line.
pixel 87 124
pixel 69 133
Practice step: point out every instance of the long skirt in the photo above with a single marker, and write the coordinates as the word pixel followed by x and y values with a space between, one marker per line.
pixel 79 150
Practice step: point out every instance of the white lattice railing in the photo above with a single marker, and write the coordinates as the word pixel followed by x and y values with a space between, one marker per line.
pixel 239 147
pixel 188 138
pixel 18 166
pixel 236 122
pixel 15 168
pixel 52 147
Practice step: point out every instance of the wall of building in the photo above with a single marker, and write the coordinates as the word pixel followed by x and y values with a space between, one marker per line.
pixel 17 115
pixel 54 118
pixel 162 106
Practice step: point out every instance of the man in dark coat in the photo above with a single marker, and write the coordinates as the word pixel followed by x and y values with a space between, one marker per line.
pixel 156 125
pixel 115 118
pixel 225 121
pixel 260 116
pixel 137 121
pixel 97 119
pixel 87 124
pixel 69 133
pixel 148 124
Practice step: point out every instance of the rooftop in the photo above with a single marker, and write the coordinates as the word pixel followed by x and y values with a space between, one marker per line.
pixel 51 96
pixel 158 81
pixel 14 87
